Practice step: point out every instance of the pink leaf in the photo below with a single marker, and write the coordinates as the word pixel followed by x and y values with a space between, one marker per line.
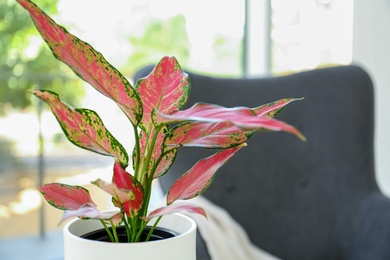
pixel 242 117
pixel 195 181
pixel 167 157
pixel 89 211
pixel 173 209
pixel 273 108
pixel 86 62
pixel 165 89
pixel 65 197
pixel 116 220
pixel 125 180
pixel 121 195
pixel 83 127
pixel 208 135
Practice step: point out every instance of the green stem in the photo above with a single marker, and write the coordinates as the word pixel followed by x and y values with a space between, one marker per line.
pixel 128 231
pixel 143 225
pixel 145 179
pixel 114 231
pixel 153 228
pixel 107 230
pixel 137 152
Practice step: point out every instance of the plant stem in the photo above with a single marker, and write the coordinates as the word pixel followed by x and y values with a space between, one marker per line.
pixel 128 231
pixel 137 149
pixel 143 225
pixel 153 228
pixel 107 230
pixel 114 231
pixel 147 177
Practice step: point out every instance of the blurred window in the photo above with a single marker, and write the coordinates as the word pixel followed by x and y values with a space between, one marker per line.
pixel 205 36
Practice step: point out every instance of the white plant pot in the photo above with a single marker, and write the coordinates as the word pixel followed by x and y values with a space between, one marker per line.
pixel 182 246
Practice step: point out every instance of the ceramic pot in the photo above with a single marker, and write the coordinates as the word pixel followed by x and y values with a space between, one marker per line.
pixel 181 246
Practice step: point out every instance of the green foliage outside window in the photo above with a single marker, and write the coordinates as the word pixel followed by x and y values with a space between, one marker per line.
pixel 33 67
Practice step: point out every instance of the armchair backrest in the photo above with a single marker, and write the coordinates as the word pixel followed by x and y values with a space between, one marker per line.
pixel 295 199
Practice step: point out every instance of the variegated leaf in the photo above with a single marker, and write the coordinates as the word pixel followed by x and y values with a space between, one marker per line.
pixel 208 135
pixel 167 157
pixel 195 181
pixel 166 89
pixel 220 135
pixel 89 211
pixel 65 197
pixel 84 127
pixel 86 62
pixel 242 117
pixel 125 180
pixel 121 195
pixel 273 108
pixel 187 207
pixel 116 220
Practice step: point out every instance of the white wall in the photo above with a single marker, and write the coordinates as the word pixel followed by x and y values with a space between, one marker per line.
pixel 372 50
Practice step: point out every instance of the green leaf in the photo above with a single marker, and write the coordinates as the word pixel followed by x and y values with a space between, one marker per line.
pixel 84 128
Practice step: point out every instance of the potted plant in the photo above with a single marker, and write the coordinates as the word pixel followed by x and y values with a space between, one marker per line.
pixel 154 107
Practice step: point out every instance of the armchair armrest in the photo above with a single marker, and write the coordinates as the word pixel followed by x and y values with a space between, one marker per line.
pixel 372 229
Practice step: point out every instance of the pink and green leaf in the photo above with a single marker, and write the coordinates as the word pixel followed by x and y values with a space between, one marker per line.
pixel 273 108
pixel 195 181
pixel 187 207
pixel 89 211
pixel 125 180
pixel 164 159
pixel 116 220
pixel 120 195
pixel 242 117
pixel 86 62
pixel 65 197
pixel 207 135
pixel 220 135
pixel 84 127
pixel 166 89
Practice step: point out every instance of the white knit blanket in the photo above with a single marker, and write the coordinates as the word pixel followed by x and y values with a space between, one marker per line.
pixel 224 237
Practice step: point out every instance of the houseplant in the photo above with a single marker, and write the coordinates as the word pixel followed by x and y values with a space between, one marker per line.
pixel 154 107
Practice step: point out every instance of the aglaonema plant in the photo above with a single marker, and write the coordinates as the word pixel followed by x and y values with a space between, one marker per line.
pixel 154 107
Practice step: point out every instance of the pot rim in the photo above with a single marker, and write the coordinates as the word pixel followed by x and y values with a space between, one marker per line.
pixel 192 227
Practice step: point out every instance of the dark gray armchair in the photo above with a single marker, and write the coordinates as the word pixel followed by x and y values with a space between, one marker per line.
pixel 301 200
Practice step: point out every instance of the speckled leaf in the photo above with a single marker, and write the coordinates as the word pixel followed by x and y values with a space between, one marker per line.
pixel 195 181
pixel 220 135
pixel 65 197
pixel 121 195
pixel 86 62
pixel 187 207
pixel 242 117
pixel 125 180
pixel 89 211
pixel 207 135
pixel 167 157
pixel 84 128
pixel 273 108
pixel 166 89
pixel 116 220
